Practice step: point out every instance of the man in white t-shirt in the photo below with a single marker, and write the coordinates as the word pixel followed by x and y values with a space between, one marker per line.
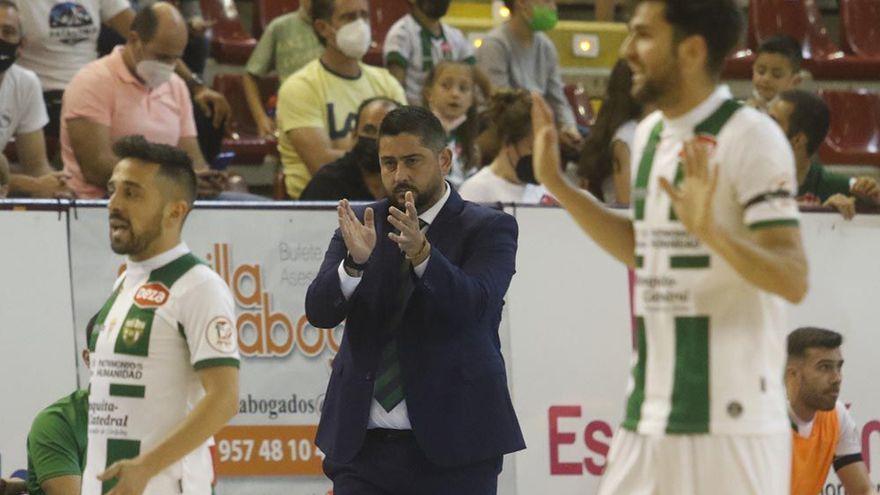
pixel 164 351
pixel 716 247
pixel 23 116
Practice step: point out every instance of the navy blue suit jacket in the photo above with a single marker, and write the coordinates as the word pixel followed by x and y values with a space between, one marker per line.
pixel 454 378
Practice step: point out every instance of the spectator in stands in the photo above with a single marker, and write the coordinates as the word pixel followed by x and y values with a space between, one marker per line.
pixel 519 55
pixel 317 106
pixel 23 116
pixel 132 91
pixel 357 175
pixel 450 93
pixel 287 45
pixel 510 177
pixel 776 69
pixel 605 159
pixel 805 118
pixel 62 39
pixel 419 41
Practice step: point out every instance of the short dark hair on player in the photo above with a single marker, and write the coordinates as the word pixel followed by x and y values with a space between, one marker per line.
pixel 146 23
pixel 719 22
pixel 416 121
pixel 369 101
pixel 810 116
pixel 323 10
pixel 173 163
pixel 785 45
pixel 805 338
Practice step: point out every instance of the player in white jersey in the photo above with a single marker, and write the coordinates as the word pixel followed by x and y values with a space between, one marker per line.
pixel 715 243
pixel 164 353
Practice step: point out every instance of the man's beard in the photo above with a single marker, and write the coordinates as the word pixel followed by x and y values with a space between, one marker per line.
pixel 659 89
pixel 420 199
pixel 136 243
pixel 820 400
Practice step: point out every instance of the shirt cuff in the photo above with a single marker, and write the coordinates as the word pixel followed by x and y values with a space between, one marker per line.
pixel 347 283
pixel 420 269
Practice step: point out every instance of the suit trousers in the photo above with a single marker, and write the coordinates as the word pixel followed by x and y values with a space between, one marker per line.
pixel 391 463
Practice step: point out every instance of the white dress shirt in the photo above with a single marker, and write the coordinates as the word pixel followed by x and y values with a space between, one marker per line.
pixel 397 418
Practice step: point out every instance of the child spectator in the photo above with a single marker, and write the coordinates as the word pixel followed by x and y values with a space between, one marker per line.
pixel 776 69
pixel 450 95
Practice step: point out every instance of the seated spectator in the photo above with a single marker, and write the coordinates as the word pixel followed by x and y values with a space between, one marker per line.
pixel 63 38
pixel 605 159
pixel 357 175
pixel 450 93
pixel 776 69
pixel 317 106
pixel 416 35
pixel 805 119
pixel 287 45
pixel 23 116
pixel 510 178
pixel 131 91
pixel 518 55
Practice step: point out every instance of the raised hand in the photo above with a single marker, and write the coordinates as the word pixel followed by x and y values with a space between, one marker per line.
pixel 360 238
pixel 692 200
pixel 411 240
pixel 545 152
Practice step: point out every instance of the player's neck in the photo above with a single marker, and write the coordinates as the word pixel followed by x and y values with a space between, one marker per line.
pixel 157 247
pixel 802 411
pixel 340 64
pixel 690 97
pixel 432 25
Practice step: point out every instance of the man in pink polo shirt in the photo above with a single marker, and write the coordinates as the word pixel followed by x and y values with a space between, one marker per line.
pixel 131 91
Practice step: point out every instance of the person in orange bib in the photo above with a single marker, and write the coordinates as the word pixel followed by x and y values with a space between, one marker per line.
pixel 823 431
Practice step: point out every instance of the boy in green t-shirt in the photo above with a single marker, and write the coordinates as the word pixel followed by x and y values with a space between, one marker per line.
pixel 805 119
pixel 56 446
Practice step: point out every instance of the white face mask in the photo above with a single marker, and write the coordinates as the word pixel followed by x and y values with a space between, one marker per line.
pixel 154 73
pixel 354 39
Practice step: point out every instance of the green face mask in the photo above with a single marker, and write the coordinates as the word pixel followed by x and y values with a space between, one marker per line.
pixel 543 18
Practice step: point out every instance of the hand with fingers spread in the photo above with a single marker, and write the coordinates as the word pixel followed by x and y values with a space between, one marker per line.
pixel 692 199
pixel 846 205
pixel 545 156
pixel 360 238
pixel 411 240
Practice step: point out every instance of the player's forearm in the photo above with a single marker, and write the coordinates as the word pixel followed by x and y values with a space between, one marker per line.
pixel 612 231
pixel 211 414
pixel 252 95
pixel 781 271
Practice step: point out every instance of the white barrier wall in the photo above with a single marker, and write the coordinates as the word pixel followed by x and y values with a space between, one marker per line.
pixel 566 335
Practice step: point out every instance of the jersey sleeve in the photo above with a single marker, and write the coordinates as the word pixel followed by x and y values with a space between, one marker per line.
pixel 763 175
pixel 850 442
pixel 463 50
pixel 35 116
pixel 51 448
pixel 398 46
pixel 299 105
pixel 207 322
pixel 262 60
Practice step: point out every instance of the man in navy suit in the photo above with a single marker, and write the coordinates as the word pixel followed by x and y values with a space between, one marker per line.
pixel 418 400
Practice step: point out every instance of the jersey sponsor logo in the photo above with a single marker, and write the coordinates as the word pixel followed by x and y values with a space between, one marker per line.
pixel 151 295
pixel 221 335
pixel 132 330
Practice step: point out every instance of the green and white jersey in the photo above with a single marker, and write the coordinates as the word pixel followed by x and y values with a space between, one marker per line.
pixel 711 349
pixel 168 317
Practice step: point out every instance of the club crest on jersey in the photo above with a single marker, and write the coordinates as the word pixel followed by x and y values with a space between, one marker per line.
pixel 132 330
pixel 221 335
pixel 151 295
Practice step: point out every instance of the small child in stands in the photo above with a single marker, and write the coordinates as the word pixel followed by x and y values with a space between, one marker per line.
pixel 450 94
pixel 776 69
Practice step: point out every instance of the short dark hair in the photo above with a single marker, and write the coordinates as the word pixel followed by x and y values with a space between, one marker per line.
pixel 719 22
pixel 323 10
pixel 369 101
pixel 173 163
pixel 785 45
pixel 146 23
pixel 804 338
pixel 810 116
pixel 417 121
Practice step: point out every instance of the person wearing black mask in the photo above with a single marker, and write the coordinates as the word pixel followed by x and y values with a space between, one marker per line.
pixel 419 41
pixel 355 176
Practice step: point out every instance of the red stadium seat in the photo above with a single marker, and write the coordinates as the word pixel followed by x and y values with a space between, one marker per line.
pixel 249 147
pixel 802 20
pixel 230 43
pixel 580 103
pixel 383 15
pixel 854 136
pixel 860 27
pixel 266 10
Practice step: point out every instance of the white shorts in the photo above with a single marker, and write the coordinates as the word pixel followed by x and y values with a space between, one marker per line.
pixel 698 465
